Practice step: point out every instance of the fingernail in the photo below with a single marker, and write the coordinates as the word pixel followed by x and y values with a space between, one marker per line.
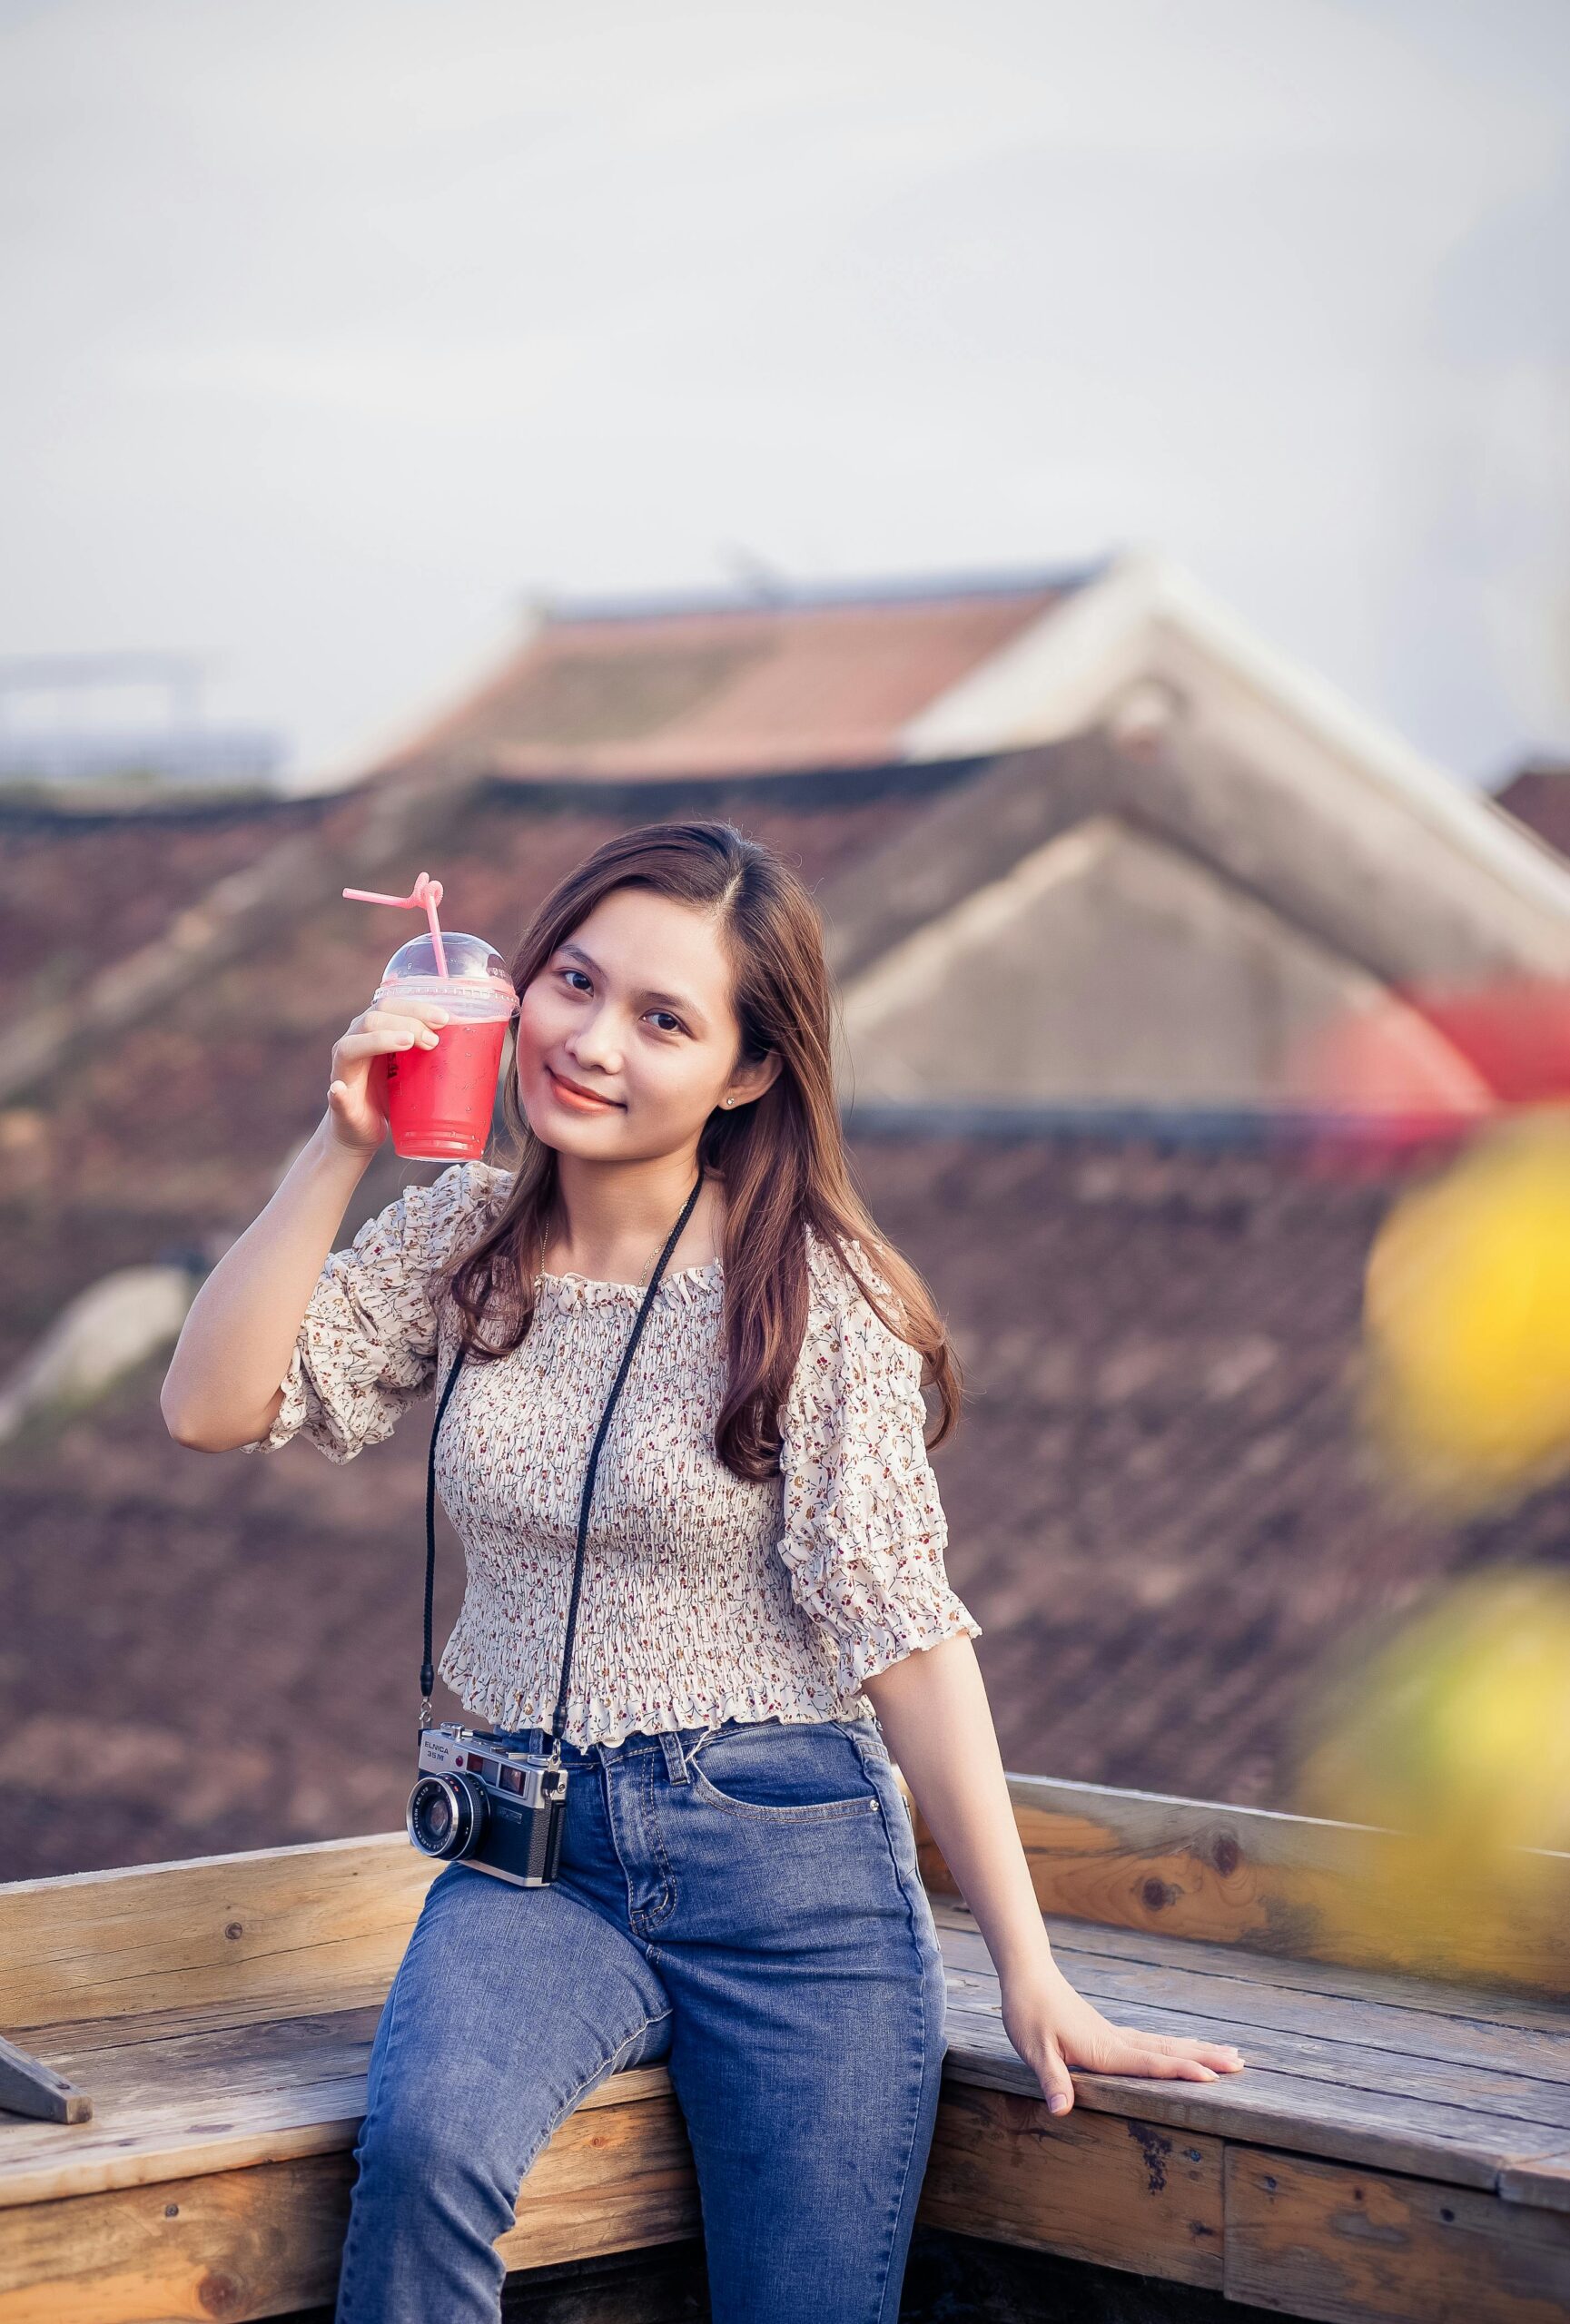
pixel 1057 2103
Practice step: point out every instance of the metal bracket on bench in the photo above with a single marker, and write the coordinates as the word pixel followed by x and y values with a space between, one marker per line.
pixel 27 2086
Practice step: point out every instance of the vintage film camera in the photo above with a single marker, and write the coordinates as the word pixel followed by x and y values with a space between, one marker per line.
pixel 481 1800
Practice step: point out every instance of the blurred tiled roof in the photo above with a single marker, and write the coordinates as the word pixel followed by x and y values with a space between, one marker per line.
pixel 637 692
pixel 1158 1504
pixel 183 1118
pixel 1158 1510
pixel 82 892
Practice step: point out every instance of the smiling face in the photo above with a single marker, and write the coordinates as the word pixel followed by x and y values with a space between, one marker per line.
pixel 627 1038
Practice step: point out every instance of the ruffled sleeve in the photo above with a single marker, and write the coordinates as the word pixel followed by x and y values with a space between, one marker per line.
pixel 864 1530
pixel 367 1345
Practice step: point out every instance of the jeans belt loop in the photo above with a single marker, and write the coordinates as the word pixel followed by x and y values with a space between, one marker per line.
pixel 674 1764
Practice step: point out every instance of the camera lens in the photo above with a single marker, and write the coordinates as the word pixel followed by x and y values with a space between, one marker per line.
pixel 434 1817
pixel 446 1816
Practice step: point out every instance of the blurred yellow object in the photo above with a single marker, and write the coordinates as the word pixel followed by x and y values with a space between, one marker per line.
pixel 1453 1733
pixel 1466 1313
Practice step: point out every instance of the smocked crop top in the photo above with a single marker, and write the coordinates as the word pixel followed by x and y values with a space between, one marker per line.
pixel 705 1596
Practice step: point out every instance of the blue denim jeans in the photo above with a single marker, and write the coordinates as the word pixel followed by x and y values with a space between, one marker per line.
pixel 742 1902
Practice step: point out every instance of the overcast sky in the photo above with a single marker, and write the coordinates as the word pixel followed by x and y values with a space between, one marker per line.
pixel 338 331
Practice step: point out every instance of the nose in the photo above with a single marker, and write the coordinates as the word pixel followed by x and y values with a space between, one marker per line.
pixel 595 1041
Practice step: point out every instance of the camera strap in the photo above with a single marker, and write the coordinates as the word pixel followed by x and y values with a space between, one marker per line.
pixel 427 1670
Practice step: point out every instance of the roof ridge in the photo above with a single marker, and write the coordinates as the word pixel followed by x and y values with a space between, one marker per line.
pixel 824 596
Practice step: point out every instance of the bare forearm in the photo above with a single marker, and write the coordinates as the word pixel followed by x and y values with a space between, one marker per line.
pixel 222 1384
pixel 933 1707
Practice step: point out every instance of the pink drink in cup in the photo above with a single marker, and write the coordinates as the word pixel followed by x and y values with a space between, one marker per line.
pixel 439 1101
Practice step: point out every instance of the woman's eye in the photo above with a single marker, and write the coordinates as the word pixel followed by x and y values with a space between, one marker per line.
pixel 671 1024
pixel 586 986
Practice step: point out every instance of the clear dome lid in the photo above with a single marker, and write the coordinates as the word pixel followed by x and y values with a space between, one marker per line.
pixel 477 983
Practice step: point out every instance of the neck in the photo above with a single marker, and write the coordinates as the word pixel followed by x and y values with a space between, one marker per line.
pixel 613 1217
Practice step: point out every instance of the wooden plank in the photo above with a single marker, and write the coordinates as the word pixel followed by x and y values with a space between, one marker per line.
pixel 1543 2180
pixel 223 2099
pixel 1356 2044
pixel 1466 2024
pixel 27 2086
pixel 1124 2192
pixel 1287 1886
pixel 1446 2144
pixel 233 2245
pixel 611 2178
pixel 1356 2086
pixel 239 2244
pixel 100 2038
pixel 1078 1939
pixel 214 2094
pixel 1363 2247
pixel 107 1945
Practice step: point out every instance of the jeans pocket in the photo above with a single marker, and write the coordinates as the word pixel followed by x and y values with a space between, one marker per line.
pixel 796 1775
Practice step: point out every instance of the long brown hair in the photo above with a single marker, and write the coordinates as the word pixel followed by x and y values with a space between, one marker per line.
pixel 781 1159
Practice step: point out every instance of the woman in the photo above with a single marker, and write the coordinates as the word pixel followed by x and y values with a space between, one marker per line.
pixel 764 1602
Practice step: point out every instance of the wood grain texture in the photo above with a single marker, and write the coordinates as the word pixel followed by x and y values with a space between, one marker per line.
pixel 1544 2178
pixel 1450 2093
pixel 1077 1940
pixel 1450 2145
pixel 213 2098
pixel 1097 2187
pixel 231 2245
pixel 612 2178
pixel 1450 2023
pixel 106 1945
pixel 1285 1885
pixel 221 2014
pixel 260 2241
pixel 1359 2076
pixel 1364 2247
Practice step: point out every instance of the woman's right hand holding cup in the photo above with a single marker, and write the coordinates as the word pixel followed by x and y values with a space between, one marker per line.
pixel 357 1093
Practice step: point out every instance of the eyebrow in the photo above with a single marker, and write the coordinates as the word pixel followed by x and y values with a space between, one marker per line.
pixel 672 1000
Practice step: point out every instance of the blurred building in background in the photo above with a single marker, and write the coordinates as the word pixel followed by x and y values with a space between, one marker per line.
pixel 122 722
pixel 1099 870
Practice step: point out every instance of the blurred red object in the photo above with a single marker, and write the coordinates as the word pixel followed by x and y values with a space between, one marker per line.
pixel 1422 1067
pixel 1516 1037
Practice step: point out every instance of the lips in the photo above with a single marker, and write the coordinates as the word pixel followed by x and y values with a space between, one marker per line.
pixel 573 1093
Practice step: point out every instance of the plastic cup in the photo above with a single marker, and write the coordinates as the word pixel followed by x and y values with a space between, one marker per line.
pixel 439 1101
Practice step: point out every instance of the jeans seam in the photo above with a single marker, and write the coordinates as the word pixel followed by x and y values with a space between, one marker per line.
pixel 605 1794
pixel 921 2060
pixel 601 2072
pixel 662 1910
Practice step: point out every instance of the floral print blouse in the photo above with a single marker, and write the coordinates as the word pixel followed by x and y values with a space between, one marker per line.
pixel 705 1596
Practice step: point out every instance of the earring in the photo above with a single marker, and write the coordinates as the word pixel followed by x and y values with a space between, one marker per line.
pixel 730 1101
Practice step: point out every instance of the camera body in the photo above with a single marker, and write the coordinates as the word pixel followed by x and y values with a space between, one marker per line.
pixel 478 1799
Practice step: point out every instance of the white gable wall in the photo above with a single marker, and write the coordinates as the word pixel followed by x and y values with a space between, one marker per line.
pixel 1105 969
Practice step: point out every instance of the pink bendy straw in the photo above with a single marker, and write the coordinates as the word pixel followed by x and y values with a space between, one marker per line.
pixel 424 896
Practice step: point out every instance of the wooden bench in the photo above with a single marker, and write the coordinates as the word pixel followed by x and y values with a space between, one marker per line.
pixel 1398 2147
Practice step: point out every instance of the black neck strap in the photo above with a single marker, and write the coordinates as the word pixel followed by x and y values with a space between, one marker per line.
pixel 427 1670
